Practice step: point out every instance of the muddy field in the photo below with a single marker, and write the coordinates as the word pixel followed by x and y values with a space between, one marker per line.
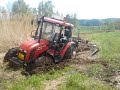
pixel 79 63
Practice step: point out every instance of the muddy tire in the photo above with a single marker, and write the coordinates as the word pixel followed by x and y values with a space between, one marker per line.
pixel 42 64
pixel 11 53
pixel 13 66
pixel 69 52
pixel 44 61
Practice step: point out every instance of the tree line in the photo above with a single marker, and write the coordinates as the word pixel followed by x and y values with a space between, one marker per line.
pixel 46 8
pixel 20 8
pixel 105 24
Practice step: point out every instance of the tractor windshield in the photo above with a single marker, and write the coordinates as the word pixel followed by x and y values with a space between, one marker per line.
pixel 49 30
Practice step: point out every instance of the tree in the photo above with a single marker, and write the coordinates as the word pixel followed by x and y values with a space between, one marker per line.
pixel 9 6
pixel 40 8
pixel 34 11
pixel 19 7
pixel 4 13
pixel 75 20
pixel 68 18
pixel 45 8
pixel 72 19
pixel 0 12
pixel 0 9
pixel 117 24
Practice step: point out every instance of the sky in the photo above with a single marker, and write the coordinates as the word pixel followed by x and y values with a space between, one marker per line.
pixel 85 9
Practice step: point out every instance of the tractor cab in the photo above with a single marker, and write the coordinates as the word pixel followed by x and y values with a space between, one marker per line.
pixel 53 30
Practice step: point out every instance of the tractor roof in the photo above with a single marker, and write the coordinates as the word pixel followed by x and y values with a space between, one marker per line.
pixel 55 21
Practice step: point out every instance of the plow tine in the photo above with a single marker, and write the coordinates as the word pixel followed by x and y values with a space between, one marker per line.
pixel 95 52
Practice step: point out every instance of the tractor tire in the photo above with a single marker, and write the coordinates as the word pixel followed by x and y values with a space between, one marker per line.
pixel 44 61
pixel 11 53
pixel 42 64
pixel 13 66
pixel 70 52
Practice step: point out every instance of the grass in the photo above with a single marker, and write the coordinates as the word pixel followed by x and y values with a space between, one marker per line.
pixel 35 82
pixel 79 81
pixel 108 43
pixel 94 70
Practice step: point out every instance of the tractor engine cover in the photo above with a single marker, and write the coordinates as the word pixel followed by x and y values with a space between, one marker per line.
pixel 31 49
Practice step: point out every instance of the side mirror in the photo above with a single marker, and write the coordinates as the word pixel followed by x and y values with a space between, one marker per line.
pixel 33 34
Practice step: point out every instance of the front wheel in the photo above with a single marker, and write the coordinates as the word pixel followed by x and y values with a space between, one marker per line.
pixel 11 53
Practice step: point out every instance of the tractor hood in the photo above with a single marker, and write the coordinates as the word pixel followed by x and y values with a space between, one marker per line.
pixel 26 45
pixel 31 44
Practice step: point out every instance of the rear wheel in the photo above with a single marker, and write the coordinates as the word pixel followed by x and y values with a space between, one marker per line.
pixel 11 53
pixel 70 52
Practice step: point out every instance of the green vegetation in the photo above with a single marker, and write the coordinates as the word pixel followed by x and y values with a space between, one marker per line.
pixel 109 43
pixel 79 81
pixel 35 82
pixel 110 49
pixel 94 70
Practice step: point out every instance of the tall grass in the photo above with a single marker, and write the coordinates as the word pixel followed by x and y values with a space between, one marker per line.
pixel 14 31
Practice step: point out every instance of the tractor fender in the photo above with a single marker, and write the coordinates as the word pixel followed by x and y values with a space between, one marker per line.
pixel 66 47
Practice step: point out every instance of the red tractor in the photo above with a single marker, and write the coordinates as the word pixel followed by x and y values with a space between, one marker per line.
pixel 52 39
